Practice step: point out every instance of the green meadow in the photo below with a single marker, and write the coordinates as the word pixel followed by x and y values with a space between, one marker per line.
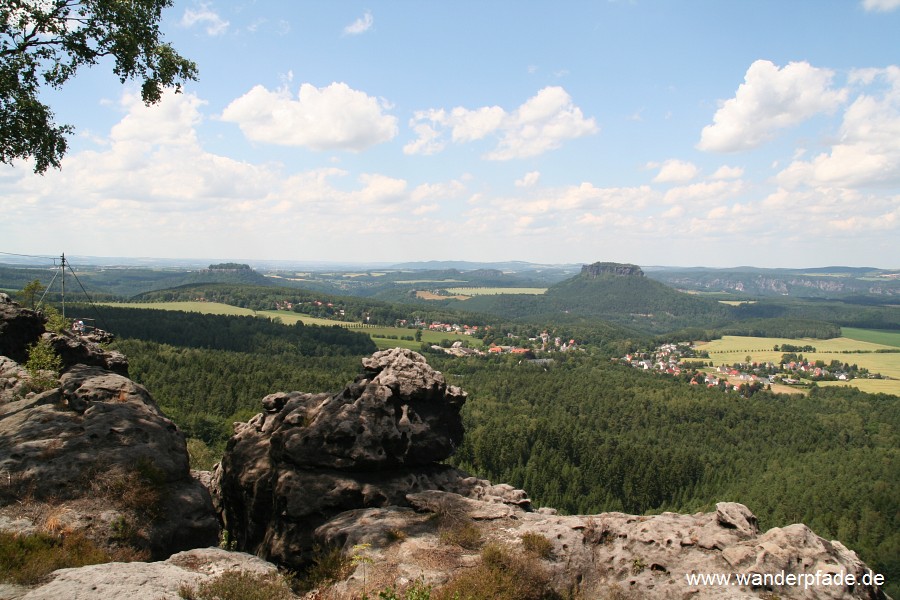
pixel 384 337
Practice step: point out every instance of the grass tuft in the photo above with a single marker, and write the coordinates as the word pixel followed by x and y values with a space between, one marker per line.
pixel 239 585
pixel 28 559
pixel 502 574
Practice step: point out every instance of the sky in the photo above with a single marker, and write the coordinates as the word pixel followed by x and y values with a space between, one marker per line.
pixel 684 133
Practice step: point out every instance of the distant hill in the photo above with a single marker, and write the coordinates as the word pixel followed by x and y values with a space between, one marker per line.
pixel 820 282
pixel 615 292
pixel 516 266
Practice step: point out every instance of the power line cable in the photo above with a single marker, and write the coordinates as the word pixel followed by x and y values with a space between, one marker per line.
pixel 53 258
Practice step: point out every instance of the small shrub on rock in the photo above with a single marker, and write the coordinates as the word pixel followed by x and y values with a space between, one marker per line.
pixel 240 585
pixel 502 574
pixel 44 365
pixel 464 534
pixel 537 544
pixel 329 565
pixel 28 559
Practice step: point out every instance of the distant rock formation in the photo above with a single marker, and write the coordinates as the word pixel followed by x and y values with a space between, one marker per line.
pixel 608 268
pixel 94 450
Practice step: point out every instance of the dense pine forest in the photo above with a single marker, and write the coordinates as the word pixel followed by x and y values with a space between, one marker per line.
pixel 585 437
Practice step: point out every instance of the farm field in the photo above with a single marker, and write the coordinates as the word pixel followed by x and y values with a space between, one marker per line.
pixel 888 338
pixel 382 336
pixel 731 349
pixel 493 291
pixel 217 308
pixel 432 296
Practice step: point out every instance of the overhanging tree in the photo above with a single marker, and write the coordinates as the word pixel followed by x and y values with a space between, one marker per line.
pixel 45 42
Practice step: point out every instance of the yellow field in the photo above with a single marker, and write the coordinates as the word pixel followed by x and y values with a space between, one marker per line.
pixel 217 308
pixel 731 349
pixel 493 291
pixel 432 296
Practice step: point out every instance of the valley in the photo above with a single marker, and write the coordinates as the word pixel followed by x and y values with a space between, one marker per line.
pixel 566 421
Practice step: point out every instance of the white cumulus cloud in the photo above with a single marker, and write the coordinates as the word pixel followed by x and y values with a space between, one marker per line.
pixel 361 25
pixel 677 171
pixel 727 172
pixel 881 5
pixel 770 99
pixel 868 148
pixel 334 117
pixel 540 124
pixel 529 180
pixel 204 15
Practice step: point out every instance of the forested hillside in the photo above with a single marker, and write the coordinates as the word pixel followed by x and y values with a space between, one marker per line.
pixel 235 333
pixel 823 282
pixel 627 299
pixel 585 437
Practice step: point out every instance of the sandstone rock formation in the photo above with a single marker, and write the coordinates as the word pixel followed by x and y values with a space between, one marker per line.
pixel 19 328
pixel 95 452
pixel 607 268
pixel 309 457
pixel 610 555
pixel 147 581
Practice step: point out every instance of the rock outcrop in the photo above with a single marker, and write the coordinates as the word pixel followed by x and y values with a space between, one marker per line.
pixel 610 555
pixel 163 580
pixel 309 457
pixel 607 268
pixel 95 452
pixel 19 328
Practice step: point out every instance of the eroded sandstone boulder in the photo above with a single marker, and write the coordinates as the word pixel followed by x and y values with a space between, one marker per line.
pixel 309 457
pixel 163 580
pixel 609 555
pixel 97 455
pixel 19 328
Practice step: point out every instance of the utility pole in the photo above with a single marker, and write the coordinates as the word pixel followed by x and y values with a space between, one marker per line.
pixel 63 268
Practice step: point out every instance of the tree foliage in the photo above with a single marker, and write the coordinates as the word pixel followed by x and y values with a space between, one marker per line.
pixel 44 43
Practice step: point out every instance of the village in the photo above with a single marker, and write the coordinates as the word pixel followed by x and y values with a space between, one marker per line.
pixel 745 378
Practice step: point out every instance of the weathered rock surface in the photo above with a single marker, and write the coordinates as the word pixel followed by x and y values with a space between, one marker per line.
pixel 19 328
pixel 607 268
pixel 309 457
pixel 599 556
pixel 83 350
pixel 146 581
pixel 95 451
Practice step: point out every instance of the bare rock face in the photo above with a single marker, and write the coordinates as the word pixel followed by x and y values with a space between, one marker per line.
pixel 607 268
pixel 147 581
pixel 610 555
pixel 97 454
pixel 309 457
pixel 84 350
pixel 356 470
pixel 19 328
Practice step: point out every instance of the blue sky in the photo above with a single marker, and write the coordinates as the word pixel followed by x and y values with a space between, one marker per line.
pixel 690 133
